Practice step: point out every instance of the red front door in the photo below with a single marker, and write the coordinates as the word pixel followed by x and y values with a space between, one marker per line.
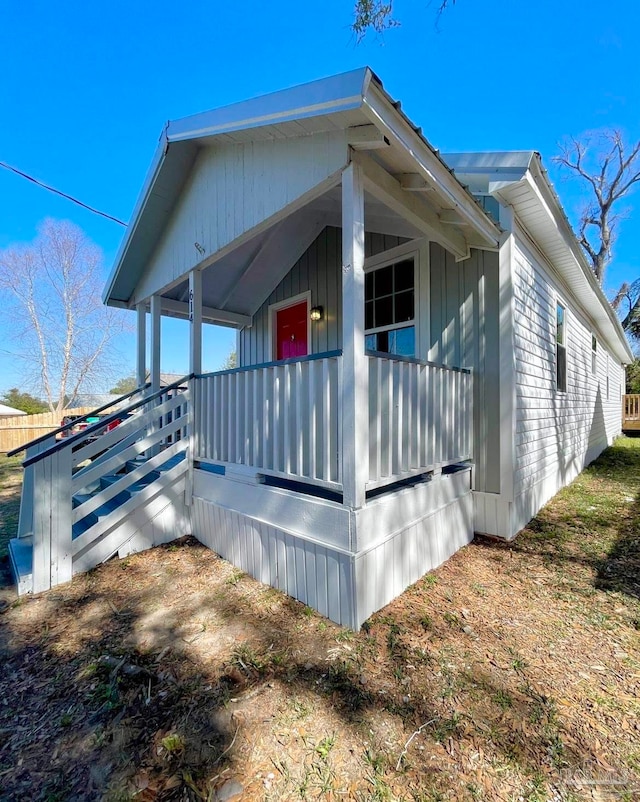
pixel 291 331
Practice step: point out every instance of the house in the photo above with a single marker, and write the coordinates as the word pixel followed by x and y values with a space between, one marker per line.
pixel 423 354
pixel 9 412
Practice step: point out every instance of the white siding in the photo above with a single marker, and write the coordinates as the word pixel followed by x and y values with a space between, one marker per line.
pixel 556 434
pixel 276 539
pixel 464 331
pixel 232 190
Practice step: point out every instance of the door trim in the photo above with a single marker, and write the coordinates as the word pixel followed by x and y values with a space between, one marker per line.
pixel 294 300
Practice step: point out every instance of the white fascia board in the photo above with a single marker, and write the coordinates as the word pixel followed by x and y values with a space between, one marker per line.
pixel 547 197
pixel 327 96
pixel 592 300
pixel 378 107
pixel 149 181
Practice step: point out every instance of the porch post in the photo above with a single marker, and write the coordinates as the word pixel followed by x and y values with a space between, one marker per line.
pixel 155 342
pixel 355 375
pixel 141 361
pixel 195 321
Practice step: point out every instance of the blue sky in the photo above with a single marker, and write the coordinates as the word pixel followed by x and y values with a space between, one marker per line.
pixel 85 89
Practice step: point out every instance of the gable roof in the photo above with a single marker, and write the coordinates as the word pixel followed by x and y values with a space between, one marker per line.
pixel 519 179
pixel 6 411
pixel 349 100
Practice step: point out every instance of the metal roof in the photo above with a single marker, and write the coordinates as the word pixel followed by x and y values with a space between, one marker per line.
pixel 6 411
pixel 333 103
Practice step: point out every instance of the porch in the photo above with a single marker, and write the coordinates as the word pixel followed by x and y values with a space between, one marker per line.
pixel 631 412
pixel 283 420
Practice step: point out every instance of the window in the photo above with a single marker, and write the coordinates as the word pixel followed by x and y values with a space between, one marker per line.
pixel 594 355
pixel 561 348
pixel 389 309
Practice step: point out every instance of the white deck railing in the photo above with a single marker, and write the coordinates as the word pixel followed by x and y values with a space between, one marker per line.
pixel 67 481
pixel 281 418
pixel 421 418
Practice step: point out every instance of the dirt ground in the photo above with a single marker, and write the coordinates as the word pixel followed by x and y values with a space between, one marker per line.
pixel 510 673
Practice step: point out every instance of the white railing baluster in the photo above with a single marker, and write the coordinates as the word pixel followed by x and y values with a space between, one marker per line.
pixel 420 418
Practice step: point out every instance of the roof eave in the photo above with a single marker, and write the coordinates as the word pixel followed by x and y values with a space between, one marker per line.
pixel 540 186
pixel 387 116
pixel 342 92
pixel 538 174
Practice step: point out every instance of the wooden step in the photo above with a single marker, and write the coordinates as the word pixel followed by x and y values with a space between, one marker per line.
pixel 21 556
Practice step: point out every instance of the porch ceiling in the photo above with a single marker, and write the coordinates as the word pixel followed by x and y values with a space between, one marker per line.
pixel 239 282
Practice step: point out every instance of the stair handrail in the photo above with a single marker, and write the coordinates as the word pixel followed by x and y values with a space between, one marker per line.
pixel 94 428
pixel 76 421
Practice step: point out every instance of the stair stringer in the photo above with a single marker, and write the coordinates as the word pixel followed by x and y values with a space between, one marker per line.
pixel 154 516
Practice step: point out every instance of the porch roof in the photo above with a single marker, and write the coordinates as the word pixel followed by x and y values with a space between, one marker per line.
pixel 519 179
pixel 354 101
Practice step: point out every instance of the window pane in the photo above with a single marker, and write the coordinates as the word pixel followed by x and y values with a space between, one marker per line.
pixel 383 311
pixel 561 368
pixel 370 342
pixel 368 286
pixel 383 283
pixel 404 306
pixel 404 342
pixel 368 315
pixel 382 341
pixel 404 275
pixel 560 324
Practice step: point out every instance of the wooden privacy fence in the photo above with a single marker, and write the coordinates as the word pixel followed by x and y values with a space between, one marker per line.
pixel 21 429
pixel 631 413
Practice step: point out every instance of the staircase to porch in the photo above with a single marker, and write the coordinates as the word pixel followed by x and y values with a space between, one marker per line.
pixel 117 487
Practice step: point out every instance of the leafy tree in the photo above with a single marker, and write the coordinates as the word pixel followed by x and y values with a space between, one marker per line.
pixel 50 293
pixel 125 385
pixel 377 16
pixel 231 361
pixel 23 401
pixel 633 377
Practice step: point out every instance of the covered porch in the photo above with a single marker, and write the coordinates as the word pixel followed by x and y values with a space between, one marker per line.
pixel 336 460
pixel 347 420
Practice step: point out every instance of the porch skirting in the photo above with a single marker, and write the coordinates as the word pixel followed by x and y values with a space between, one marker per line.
pixel 308 547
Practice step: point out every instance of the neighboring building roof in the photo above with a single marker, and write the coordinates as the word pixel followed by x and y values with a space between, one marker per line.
pixel 348 100
pixel 94 400
pixel 9 412
pixel 519 179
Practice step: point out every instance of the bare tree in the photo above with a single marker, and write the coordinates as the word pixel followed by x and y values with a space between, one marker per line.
pixel 626 302
pixel 611 170
pixel 50 292
pixel 377 16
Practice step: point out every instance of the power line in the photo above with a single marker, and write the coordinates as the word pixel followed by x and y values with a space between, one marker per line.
pixel 62 194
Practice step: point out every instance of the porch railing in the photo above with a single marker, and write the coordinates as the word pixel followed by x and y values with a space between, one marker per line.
pixel 282 418
pixel 420 417
pixel 71 483
pixel 631 412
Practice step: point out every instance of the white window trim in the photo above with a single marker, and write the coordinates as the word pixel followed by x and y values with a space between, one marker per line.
pixel 564 344
pixel 408 249
pixel 285 304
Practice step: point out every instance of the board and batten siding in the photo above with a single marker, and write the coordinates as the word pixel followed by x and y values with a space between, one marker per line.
pixel 556 434
pixel 231 190
pixel 464 327
pixel 318 271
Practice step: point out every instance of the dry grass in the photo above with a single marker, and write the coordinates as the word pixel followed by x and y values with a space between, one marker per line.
pixel 510 673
